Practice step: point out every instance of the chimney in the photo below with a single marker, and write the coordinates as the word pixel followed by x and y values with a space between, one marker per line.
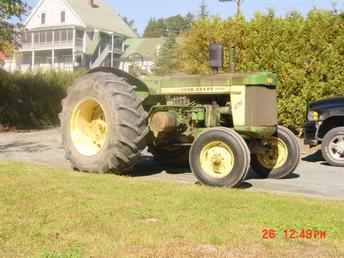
pixel 92 4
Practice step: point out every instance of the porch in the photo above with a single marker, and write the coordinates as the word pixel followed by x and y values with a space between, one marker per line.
pixel 73 38
pixel 56 59
pixel 66 49
pixel 51 49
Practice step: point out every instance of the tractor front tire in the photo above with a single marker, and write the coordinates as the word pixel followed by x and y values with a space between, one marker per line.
pixel 220 157
pixel 282 157
pixel 104 125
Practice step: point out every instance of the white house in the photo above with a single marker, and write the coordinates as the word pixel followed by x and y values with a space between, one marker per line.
pixel 141 53
pixel 68 34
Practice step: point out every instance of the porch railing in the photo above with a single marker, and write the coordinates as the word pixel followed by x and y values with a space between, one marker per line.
pixel 50 39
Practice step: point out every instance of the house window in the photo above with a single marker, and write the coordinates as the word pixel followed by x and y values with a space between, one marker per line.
pixel 118 43
pixel 49 36
pixel 63 35
pixel 42 38
pixel 36 37
pixel 57 35
pixel 157 52
pixel 91 35
pixel 70 35
pixel 63 17
pixel 79 34
pixel 27 37
pixel 43 17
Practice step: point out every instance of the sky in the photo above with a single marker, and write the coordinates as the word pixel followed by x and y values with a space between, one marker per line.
pixel 142 10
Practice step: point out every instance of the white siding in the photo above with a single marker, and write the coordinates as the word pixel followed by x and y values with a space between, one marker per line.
pixel 52 10
pixel 146 66
pixel 10 65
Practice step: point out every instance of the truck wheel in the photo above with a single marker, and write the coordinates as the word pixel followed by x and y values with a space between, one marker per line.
pixel 220 157
pixel 333 147
pixel 171 156
pixel 281 158
pixel 104 125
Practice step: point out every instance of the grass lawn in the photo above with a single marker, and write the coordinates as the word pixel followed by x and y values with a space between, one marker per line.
pixel 51 213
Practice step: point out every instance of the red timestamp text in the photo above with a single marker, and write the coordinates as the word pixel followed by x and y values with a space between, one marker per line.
pixel 293 234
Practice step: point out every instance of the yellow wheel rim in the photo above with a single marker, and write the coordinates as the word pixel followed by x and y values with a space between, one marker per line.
pixel 217 159
pixel 88 127
pixel 276 155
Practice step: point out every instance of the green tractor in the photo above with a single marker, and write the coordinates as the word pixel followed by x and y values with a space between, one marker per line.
pixel 221 124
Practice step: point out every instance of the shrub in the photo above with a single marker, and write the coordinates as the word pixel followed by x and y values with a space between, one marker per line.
pixel 305 52
pixel 32 101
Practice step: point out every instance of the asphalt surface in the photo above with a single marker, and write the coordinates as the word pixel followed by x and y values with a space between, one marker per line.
pixel 313 177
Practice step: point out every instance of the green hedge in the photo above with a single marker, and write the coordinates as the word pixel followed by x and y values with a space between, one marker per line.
pixel 32 101
pixel 307 53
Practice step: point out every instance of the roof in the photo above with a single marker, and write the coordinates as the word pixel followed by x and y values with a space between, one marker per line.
pixel 147 47
pixel 102 17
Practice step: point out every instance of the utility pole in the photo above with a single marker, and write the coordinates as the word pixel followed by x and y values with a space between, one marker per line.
pixel 238 5
pixel 204 9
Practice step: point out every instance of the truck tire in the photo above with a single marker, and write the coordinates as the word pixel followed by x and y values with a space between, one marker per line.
pixel 104 125
pixel 281 159
pixel 171 156
pixel 333 147
pixel 220 157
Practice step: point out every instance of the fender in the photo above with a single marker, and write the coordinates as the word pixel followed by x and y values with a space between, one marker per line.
pixel 335 112
pixel 140 85
pixel 326 124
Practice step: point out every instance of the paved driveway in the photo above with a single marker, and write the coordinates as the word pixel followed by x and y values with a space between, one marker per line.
pixel 312 178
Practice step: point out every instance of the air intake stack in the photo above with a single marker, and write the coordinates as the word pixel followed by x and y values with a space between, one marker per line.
pixel 216 56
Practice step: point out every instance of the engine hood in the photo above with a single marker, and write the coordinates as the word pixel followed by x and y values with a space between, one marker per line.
pixel 206 84
pixel 329 103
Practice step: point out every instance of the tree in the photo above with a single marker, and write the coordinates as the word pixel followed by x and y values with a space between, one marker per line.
pixel 178 24
pixel 306 52
pixel 130 23
pixel 164 26
pixel 155 28
pixel 203 10
pixel 189 19
pixel 167 60
pixel 9 9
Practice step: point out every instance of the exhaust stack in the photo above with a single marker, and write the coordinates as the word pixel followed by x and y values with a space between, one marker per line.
pixel 93 4
pixel 216 56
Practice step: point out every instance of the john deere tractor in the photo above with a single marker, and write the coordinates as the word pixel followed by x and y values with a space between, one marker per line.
pixel 221 124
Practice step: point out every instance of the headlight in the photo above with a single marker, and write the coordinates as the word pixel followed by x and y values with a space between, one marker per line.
pixel 313 116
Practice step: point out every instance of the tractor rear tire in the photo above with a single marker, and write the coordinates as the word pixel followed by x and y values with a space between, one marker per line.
pixel 282 158
pixel 220 157
pixel 104 125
